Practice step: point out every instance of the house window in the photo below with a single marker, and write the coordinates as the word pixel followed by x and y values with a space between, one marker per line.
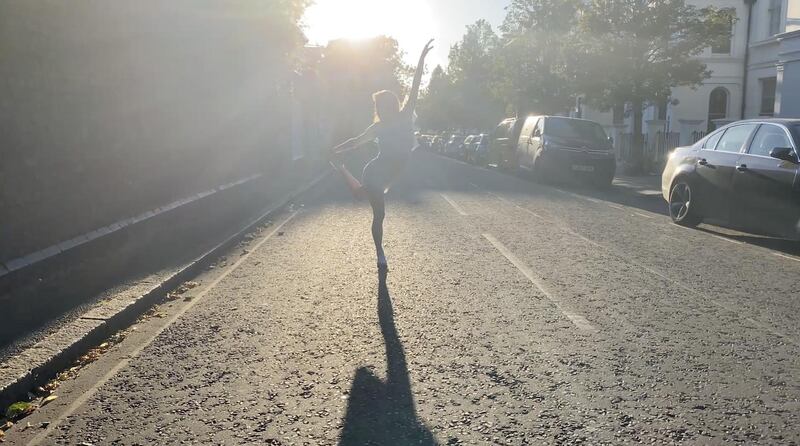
pixel 768 96
pixel 775 12
pixel 717 107
pixel 724 46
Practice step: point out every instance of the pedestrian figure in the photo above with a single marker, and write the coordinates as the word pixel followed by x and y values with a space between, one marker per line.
pixel 394 130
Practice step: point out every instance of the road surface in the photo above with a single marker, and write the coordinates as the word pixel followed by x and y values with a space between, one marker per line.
pixel 513 313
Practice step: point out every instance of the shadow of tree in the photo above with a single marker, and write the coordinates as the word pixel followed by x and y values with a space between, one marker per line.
pixel 383 413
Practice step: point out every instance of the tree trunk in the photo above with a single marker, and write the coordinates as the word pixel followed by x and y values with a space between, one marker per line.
pixel 637 146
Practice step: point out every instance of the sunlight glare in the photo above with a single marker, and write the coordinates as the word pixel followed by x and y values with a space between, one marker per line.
pixel 409 21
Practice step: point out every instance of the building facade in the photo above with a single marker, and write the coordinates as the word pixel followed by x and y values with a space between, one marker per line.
pixel 756 75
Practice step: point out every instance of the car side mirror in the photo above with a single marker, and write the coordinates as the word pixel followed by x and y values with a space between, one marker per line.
pixel 784 153
pixel 611 140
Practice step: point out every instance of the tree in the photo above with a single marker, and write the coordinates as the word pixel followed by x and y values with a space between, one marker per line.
pixel 532 71
pixel 435 108
pixel 461 96
pixel 351 71
pixel 636 51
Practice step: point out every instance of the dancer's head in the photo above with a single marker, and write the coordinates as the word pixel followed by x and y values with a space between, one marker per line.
pixel 387 106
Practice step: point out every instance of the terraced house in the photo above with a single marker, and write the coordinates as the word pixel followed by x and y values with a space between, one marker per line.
pixel 755 74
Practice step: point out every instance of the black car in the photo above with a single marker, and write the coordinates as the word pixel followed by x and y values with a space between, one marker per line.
pixel 744 175
pixel 556 147
pixel 503 144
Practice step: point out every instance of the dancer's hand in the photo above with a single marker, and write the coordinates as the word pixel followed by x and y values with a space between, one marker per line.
pixel 427 49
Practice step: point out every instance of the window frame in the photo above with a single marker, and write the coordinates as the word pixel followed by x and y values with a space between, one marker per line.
pixel 753 139
pixel 731 35
pixel 762 82
pixel 747 141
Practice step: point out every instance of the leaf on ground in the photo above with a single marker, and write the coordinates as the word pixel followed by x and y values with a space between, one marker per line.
pixel 2 434
pixel 20 409
pixel 8 425
pixel 49 399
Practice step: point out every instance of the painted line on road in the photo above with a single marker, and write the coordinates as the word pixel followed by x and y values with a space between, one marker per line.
pixel 85 396
pixel 650 217
pixel 615 206
pixel 786 257
pixel 575 318
pixel 511 203
pixel 454 205
pixel 735 242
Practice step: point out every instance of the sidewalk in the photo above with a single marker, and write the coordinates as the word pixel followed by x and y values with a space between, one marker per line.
pixel 60 317
pixel 648 185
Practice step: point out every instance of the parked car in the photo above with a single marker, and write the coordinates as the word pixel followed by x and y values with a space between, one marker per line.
pixel 745 175
pixel 437 144
pixel 555 147
pixel 455 146
pixel 503 144
pixel 467 146
pixel 477 151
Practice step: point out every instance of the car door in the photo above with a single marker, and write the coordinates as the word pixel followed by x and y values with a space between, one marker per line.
pixel 716 164
pixel 765 197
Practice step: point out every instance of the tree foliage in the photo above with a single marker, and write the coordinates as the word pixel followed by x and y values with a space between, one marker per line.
pixel 351 71
pixel 462 96
pixel 533 72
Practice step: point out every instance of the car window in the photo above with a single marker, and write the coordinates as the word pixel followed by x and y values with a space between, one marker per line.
pixel 769 137
pixel 735 137
pixel 539 128
pixel 575 128
pixel 711 142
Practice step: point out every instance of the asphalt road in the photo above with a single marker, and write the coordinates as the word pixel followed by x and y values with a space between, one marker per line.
pixel 513 313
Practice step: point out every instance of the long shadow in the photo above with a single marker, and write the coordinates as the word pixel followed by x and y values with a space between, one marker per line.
pixel 383 413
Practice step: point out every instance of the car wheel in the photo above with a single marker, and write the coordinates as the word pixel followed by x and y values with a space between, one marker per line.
pixel 682 209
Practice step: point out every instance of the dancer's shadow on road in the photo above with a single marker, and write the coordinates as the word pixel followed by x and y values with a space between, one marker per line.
pixel 383 413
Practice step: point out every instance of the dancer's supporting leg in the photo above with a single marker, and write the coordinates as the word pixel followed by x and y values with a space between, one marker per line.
pixel 376 200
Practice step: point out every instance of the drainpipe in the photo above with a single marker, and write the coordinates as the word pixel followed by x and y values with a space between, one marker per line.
pixel 749 4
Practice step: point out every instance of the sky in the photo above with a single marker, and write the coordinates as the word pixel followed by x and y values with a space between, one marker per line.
pixel 411 22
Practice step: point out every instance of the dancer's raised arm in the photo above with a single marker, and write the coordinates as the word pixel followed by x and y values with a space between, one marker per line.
pixel 411 100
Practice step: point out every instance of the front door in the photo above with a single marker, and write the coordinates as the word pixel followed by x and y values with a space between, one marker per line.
pixel 715 167
pixel 766 198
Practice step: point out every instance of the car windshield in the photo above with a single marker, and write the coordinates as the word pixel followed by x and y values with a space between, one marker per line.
pixel 575 128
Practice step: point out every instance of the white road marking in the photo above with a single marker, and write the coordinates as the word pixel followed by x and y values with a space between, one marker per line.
pixel 615 206
pixel 575 318
pixel 786 257
pixel 454 205
pixel 83 398
pixel 511 203
pixel 736 242
pixel 644 215
pixel 560 224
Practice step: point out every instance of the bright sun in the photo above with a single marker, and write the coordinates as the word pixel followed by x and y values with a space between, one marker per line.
pixel 409 21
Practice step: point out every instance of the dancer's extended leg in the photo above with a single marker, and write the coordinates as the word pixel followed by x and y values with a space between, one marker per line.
pixel 355 186
pixel 376 200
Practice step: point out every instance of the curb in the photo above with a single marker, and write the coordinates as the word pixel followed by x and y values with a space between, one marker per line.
pixel 16 389
pixel 16 264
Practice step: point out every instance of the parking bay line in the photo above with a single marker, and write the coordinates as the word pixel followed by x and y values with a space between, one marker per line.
pixel 84 397
pixel 575 318
pixel 454 205
pixel 564 227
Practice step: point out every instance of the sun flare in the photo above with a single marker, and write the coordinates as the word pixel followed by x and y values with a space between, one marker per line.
pixel 409 21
